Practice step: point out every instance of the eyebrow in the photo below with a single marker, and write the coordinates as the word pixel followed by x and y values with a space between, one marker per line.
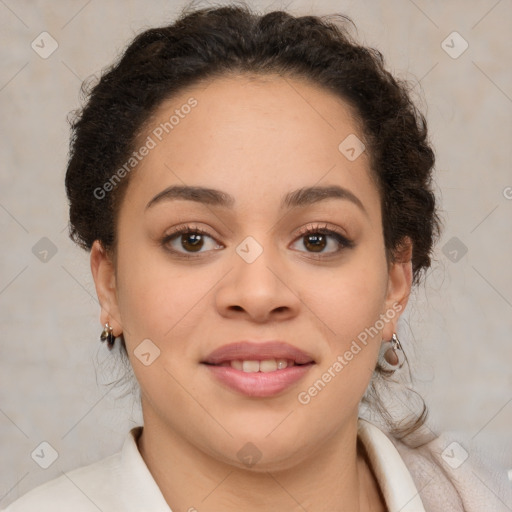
pixel 299 198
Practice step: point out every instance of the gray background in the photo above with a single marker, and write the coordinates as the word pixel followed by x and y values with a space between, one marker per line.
pixel 456 328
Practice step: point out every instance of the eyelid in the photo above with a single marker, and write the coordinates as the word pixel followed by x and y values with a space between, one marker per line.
pixel 323 226
pixel 184 228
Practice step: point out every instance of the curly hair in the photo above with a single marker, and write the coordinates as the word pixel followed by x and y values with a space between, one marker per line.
pixel 213 42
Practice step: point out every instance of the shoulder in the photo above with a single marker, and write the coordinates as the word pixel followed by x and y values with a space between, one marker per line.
pixel 84 489
pixel 121 481
pixel 454 474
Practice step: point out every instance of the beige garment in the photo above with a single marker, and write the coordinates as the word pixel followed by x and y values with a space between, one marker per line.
pixel 412 480
pixel 451 475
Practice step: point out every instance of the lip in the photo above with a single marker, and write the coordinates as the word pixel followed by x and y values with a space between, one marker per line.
pixel 244 350
pixel 258 384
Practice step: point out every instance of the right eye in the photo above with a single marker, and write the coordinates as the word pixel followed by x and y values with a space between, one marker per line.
pixel 187 240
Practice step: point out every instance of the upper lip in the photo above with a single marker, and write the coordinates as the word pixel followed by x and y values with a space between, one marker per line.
pixel 261 350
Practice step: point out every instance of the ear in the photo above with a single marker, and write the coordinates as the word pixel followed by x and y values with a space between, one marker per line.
pixel 399 285
pixel 103 272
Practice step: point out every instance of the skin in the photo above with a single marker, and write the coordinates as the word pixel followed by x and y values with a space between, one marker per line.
pixel 257 140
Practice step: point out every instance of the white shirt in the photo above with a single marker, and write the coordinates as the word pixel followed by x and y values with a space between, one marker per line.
pixel 122 482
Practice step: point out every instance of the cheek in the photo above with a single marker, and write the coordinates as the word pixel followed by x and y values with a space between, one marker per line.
pixel 155 301
pixel 350 306
pixel 352 297
pixel 350 356
pixel 153 294
pixel 164 303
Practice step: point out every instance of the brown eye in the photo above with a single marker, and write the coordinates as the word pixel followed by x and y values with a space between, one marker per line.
pixel 315 242
pixel 189 240
pixel 322 240
pixel 192 242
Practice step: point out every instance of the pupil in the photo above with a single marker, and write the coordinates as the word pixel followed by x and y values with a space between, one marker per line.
pixel 318 242
pixel 196 241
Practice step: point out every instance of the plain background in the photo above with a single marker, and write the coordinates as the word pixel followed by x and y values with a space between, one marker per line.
pixel 456 328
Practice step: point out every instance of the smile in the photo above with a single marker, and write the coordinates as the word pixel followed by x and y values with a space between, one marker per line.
pixel 258 384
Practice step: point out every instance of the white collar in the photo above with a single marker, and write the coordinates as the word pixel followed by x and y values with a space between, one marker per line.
pixel 393 477
pixel 395 481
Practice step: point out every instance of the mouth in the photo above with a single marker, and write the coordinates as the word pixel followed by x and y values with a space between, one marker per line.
pixel 267 352
pixel 260 369
pixel 263 366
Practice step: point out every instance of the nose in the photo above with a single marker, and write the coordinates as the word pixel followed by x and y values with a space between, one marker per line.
pixel 260 291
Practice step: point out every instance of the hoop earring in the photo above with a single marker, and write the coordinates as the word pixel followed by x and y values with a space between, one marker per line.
pixel 108 335
pixel 393 353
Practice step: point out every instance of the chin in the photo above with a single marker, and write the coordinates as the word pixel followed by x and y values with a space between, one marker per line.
pixel 259 453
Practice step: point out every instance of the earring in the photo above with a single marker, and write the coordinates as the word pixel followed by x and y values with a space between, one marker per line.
pixel 393 353
pixel 107 334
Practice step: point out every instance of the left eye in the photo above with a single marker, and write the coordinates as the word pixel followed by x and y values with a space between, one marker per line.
pixel 316 240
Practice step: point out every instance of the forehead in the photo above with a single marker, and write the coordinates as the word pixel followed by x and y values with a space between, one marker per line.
pixel 251 135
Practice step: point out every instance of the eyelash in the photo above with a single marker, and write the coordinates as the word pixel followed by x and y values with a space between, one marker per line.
pixel 344 242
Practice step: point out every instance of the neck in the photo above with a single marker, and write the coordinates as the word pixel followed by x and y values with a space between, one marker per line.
pixel 335 478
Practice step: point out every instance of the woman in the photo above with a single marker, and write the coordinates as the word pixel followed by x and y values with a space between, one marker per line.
pixel 256 195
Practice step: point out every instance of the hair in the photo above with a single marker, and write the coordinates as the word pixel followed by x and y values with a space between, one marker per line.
pixel 214 42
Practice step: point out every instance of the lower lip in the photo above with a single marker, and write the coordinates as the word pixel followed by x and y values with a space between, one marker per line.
pixel 259 384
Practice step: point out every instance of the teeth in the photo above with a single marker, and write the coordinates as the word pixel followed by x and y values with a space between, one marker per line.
pixel 237 365
pixel 282 363
pixel 250 366
pixel 268 365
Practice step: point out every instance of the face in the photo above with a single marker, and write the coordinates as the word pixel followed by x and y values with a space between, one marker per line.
pixel 245 268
